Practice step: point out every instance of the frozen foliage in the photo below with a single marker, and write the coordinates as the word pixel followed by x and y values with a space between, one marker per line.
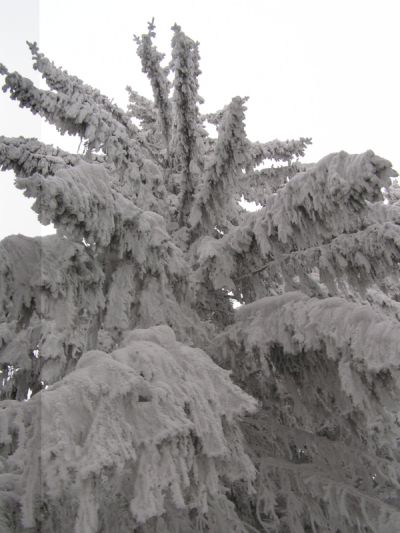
pixel 28 156
pixel 143 109
pixel 151 65
pixel 77 110
pixel 50 297
pixel 278 150
pixel 145 432
pixel 344 329
pixel 224 170
pixel 59 80
pixel 327 372
pixel 186 143
pixel 134 397
pixel 315 220
pixel 258 185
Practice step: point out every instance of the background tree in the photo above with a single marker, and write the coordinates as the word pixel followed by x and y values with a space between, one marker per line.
pixel 122 333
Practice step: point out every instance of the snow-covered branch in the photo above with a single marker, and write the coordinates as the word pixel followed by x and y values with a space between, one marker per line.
pixel 278 150
pixel 112 415
pixel 142 108
pixel 325 201
pixel 298 323
pixel 75 114
pixel 153 401
pixel 60 81
pixel 366 256
pixel 216 191
pixel 187 149
pixel 313 208
pixel 50 297
pixel 151 65
pixel 82 203
pixel 300 354
pixel 257 185
pixel 28 156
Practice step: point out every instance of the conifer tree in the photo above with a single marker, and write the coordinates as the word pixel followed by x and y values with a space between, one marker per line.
pixel 171 362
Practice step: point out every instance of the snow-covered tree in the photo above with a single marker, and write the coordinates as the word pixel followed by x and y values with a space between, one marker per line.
pixel 137 394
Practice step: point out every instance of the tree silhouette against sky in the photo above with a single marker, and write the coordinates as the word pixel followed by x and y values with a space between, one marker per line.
pixel 172 362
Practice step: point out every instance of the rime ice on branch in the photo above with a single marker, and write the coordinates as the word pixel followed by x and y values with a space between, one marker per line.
pixel 155 418
pixel 113 416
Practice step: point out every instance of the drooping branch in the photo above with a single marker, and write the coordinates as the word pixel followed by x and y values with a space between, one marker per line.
pixel 51 263
pixel 349 333
pixel 392 193
pixel 381 213
pixel 152 401
pixel 363 257
pixel 326 200
pixel 323 371
pixel 321 468
pixel 82 203
pixel 313 208
pixel 79 201
pixel 150 235
pixel 257 185
pixel 50 300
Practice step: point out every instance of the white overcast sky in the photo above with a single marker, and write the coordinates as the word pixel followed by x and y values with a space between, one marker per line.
pixel 322 69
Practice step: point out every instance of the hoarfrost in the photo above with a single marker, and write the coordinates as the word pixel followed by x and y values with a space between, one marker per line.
pixel 106 327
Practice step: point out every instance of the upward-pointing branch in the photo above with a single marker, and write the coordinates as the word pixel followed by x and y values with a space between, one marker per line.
pixel 216 192
pixel 151 65
pixel 74 113
pixel 187 150
pixel 59 80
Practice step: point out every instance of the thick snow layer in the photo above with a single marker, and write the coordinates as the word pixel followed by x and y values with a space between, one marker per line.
pixel 59 80
pixel 50 285
pixel 330 200
pixel 28 156
pixel 298 354
pixel 155 421
pixel 212 200
pixel 344 329
pixel 80 111
pixel 115 428
pixel 82 202
pixel 151 65
pixel 278 151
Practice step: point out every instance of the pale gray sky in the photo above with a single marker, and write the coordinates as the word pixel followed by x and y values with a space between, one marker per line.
pixel 327 70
